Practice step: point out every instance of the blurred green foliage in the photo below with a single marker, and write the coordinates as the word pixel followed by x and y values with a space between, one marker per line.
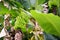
pixel 19 19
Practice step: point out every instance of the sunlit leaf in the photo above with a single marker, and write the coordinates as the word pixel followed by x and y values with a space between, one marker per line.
pixel 49 22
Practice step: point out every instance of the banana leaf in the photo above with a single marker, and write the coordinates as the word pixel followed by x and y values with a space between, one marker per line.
pixel 49 22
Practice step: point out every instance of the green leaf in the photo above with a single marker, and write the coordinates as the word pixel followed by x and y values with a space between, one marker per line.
pixel 41 1
pixel 25 3
pixel 49 22
pixel 3 9
pixel 14 13
pixel 1 18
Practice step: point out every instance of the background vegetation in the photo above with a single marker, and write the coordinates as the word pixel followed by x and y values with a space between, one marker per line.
pixel 22 10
